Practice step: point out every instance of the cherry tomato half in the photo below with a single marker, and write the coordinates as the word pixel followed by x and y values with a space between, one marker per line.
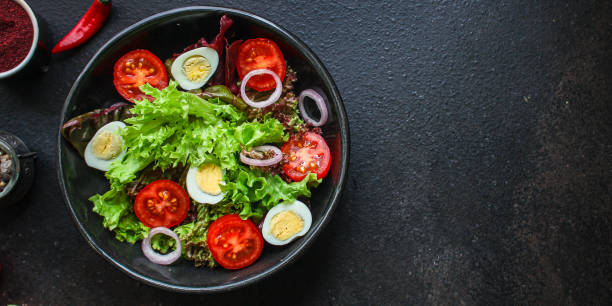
pixel 136 68
pixel 306 153
pixel 161 203
pixel 234 243
pixel 260 53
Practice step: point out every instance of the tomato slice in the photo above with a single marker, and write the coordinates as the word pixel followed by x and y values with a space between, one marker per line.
pixel 234 243
pixel 161 203
pixel 306 153
pixel 261 53
pixel 136 68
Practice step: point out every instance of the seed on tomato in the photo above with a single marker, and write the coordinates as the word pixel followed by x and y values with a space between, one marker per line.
pixel 164 201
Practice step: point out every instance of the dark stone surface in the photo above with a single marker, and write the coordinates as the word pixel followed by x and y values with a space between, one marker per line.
pixel 481 162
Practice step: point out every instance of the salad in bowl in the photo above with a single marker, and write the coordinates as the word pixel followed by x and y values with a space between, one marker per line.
pixel 202 149
pixel 213 155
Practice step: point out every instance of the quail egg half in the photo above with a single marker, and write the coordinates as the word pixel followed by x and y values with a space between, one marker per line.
pixel 105 146
pixel 286 222
pixel 193 68
pixel 204 183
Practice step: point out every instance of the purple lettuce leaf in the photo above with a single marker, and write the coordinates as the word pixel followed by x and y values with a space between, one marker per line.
pixel 79 130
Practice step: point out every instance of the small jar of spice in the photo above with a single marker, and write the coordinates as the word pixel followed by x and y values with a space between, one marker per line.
pixel 16 169
pixel 22 49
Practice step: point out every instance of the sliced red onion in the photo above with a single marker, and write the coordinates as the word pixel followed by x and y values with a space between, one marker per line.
pixel 320 104
pixel 263 162
pixel 155 257
pixel 275 95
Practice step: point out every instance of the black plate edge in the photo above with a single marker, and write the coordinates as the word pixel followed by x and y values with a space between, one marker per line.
pixel 335 198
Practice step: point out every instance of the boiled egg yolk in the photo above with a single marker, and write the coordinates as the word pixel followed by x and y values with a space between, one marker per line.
pixel 107 145
pixel 286 224
pixel 196 68
pixel 208 178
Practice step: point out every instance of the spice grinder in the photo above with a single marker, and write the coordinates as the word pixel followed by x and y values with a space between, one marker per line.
pixel 16 169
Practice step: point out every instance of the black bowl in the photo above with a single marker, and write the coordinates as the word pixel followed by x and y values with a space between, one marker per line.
pixel 164 34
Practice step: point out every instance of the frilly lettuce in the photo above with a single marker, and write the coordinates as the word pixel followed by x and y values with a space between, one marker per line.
pixel 176 128
pixel 257 192
pixel 180 128
pixel 116 210
pixel 252 134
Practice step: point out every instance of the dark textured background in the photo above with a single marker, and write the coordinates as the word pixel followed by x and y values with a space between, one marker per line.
pixel 481 159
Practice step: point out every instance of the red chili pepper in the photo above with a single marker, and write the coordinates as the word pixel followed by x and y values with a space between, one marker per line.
pixel 89 24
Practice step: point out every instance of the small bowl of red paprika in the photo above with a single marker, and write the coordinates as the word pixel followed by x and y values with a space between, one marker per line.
pixel 21 49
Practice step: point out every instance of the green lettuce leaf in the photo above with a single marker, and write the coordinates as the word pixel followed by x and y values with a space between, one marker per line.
pixel 116 210
pixel 257 133
pixel 182 128
pixel 177 128
pixel 258 192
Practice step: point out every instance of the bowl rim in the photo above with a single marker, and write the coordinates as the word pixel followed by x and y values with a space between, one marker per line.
pixel 327 213
pixel 26 7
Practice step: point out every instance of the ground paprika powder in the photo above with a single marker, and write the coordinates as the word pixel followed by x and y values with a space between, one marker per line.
pixel 16 34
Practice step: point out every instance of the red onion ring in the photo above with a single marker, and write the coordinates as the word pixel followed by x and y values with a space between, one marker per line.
pixel 155 257
pixel 320 104
pixel 273 98
pixel 263 162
